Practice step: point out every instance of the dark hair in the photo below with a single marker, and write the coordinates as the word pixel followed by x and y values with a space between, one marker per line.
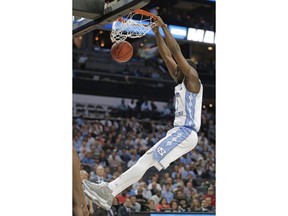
pixel 191 63
pixel 163 198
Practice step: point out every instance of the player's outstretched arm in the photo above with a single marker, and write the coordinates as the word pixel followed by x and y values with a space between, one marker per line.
pixel 165 52
pixel 189 72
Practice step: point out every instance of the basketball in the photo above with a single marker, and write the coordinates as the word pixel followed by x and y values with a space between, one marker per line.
pixel 122 51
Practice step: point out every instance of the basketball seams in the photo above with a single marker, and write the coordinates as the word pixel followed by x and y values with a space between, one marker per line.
pixel 118 49
pixel 129 52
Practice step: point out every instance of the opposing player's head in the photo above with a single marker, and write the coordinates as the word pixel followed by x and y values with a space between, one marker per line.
pixel 179 74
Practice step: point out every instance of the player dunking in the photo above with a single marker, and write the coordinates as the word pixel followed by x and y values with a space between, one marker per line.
pixel 178 141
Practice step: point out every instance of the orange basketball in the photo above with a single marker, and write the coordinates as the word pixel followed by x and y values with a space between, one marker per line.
pixel 122 51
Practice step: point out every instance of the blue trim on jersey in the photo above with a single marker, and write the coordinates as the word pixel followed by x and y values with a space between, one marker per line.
pixel 170 143
pixel 190 102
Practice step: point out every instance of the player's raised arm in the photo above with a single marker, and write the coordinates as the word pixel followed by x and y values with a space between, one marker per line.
pixel 189 72
pixel 165 53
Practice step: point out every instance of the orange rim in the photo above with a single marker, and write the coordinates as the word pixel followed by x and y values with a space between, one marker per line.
pixel 146 13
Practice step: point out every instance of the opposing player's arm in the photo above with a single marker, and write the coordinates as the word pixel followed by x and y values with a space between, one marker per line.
pixel 79 202
pixel 165 52
pixel 190 73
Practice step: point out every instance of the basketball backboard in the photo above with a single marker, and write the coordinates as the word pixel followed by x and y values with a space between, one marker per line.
pixel 92 14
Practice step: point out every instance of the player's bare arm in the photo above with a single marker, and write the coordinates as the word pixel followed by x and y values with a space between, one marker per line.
pixel 193 83
pixel 79 202
pixel 165 53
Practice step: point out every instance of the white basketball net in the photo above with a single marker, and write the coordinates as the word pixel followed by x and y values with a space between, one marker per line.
pixel 126 27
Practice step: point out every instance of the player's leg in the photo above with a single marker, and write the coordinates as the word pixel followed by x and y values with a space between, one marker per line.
pixel 93 197
pixel 132 175
pixel 105 193
pixel 182 148
pixel 184 141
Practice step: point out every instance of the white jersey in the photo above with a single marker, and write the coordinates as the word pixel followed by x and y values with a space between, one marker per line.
pixel 188 107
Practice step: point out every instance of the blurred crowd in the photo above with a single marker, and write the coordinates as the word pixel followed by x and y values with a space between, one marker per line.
pixel 109 146
pixel 139 67
pixel 143 109
pixel 198 15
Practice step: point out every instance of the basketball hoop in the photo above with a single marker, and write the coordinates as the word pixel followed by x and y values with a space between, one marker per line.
pixel 135 25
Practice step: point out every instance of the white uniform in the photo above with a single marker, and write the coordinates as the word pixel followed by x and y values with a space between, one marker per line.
pixel 177 142
pixel 188 107
pixel 183 137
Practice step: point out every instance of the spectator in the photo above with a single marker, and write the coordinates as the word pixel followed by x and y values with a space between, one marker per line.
pixel 130 191
pixel 167 193
pixel 115 175
pixel 190 178
pixel 184 205
pixel 132 108
pixel 211 195
pixel 83 151
pixel 186 172
pixel 204 206
pixel 122 109
pixel 100 175
pixel 168 111
pixel 150 140
pixel 88 160
pixel 146 193
pixel 189 190
pixel 179 197
pixel 156 197
pixel 164 179
pixel 175 206
pixel 198 168
pixel 141 199
pixel 209 206
pixel 114 208
pixel 103 160
pixel 126 208
pixel 122 197
pixel 114 160
pixel 129 145
pixel 146 109
pixel 151 206
pixel 108 173
pixel 162 204
pixel 169 181
pixel 195 206
pixel 125 156
pixel 135 204
pixel 154 188
pixel 186 159
pixel 132 161
pixel 179 184
pixel 93 173
pixel 120 169
pixel 175 171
